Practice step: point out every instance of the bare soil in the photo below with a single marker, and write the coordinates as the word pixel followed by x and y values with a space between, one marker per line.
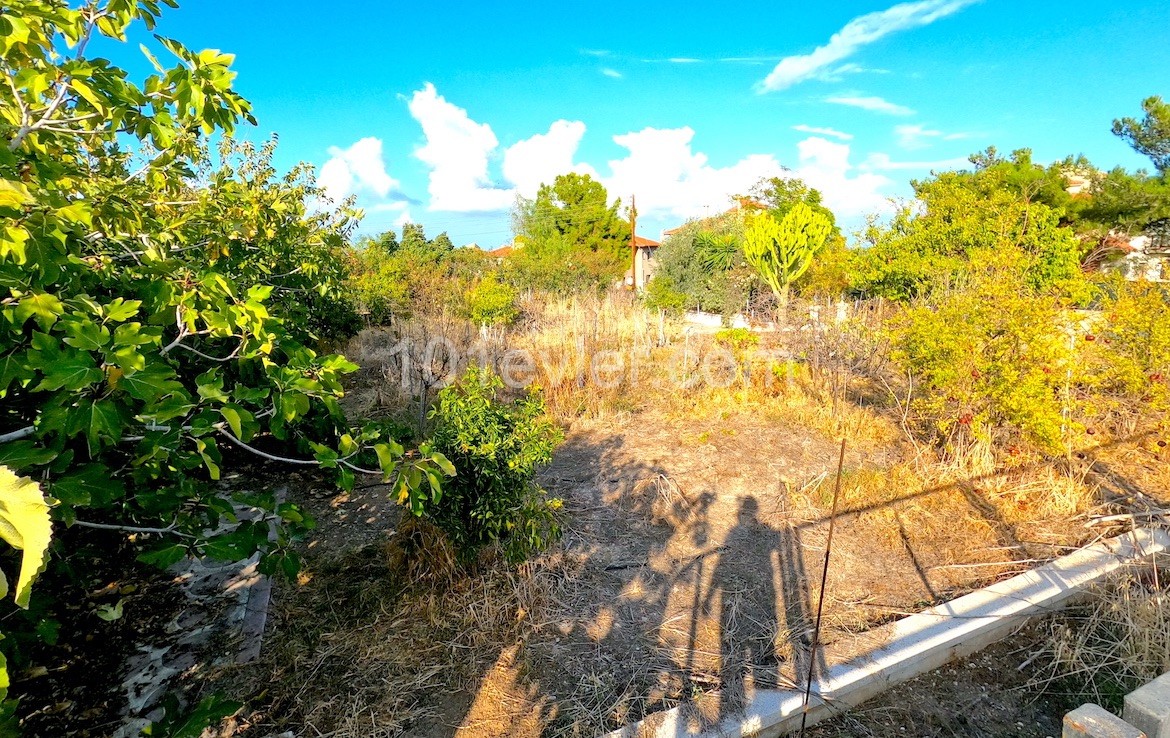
pixel 989 695
pixel 688 573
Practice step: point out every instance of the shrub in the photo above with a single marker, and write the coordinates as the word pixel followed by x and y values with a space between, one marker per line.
pixel 738 340
pixel 154 324
pixel 1131 356
pixel 987 362
pixel 497 447
pixel 491 302
pixel 662 293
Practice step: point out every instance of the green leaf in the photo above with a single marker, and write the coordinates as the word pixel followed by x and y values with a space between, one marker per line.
pixel 12 369
pixel 209 452
pixel 110 613
pixel 243 425
pixel 293 405
pixel 121 310
pixel 86 92
pixel 238 544
pixel 85 334
pixel 152 382
pixel 14 195
pixel 151 57
pixel 387 458
pixel 71 370
pixel 12 244
pixel 444 464
pixel 210 386
pixel 23 454
pixel 90 486
pixel 25 525
pixel 179 724
pixel 43 307
pixel 164 557
pixel 102 424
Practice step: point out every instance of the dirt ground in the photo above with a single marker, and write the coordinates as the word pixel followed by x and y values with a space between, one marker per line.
pixel 688 573
pixel 988 695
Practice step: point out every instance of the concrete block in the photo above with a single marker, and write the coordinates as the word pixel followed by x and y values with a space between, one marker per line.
pixel 1094 721
pixel 1148 707
pixel 918 644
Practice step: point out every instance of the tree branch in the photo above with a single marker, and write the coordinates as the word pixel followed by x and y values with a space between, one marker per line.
pixel 170 529
pixel 263 454
pixel 16 435
pixel 62 90
pixel 286 460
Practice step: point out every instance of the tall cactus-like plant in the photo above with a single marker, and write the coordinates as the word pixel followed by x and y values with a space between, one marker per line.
pixel 781 251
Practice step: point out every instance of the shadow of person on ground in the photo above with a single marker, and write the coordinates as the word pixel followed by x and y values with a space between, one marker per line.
pixel 743 593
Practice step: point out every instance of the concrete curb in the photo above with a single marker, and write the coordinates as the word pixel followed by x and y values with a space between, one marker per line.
pixel 917 644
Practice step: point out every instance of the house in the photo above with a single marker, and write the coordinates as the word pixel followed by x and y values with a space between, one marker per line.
pixel 644 263
pixel 501 253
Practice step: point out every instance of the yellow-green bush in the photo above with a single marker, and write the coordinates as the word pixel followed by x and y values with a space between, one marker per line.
pixel 491 302
pixel 987 362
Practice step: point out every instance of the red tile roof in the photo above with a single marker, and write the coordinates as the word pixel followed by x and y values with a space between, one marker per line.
pixel 501 252
pixel 648 243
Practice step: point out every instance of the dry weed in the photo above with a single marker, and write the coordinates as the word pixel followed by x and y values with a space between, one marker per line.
pixel 1116 641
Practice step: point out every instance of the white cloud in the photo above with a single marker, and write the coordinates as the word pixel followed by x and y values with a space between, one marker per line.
pixel 915 136
pixel 669 178
pixel 859 32
pixel 402 208
pixel 356 170
pixel 803 128
pixel 825 166
pixel 683 60
pixel 539 159
pixel 912 136
pixel 748 59
pixel 612 73
pixel 456 151
pixel 882 162
pixel 874 104
pixel 836 74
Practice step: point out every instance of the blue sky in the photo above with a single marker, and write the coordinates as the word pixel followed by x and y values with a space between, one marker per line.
pixel 441 113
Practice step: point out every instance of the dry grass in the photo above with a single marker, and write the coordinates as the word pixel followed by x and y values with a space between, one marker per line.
pixel 371 647
pixel 356 651
pixel 1116 641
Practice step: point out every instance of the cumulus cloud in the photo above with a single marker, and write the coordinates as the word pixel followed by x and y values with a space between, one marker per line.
pixel 670 178
pixel 859 32
pixel 803 128
pixel 359 169
pixel 401 208
pixel 456 151
pixel 874 104
pixel 538 160
pixel 824 164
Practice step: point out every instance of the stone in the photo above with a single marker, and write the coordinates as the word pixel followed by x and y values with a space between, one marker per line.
pixel 1094 721
pixel 1148 707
